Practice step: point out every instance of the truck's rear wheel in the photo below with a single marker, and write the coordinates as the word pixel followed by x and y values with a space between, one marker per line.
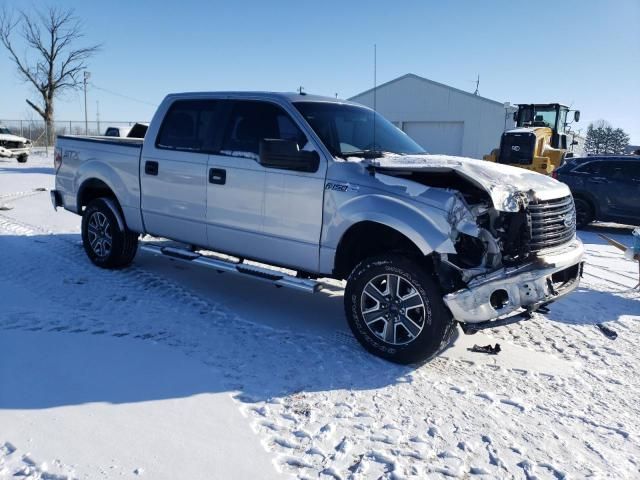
pixel 106 239
pixel 395 309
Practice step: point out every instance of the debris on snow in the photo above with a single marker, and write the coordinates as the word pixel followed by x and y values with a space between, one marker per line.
pixel 607 331
pixel 491 350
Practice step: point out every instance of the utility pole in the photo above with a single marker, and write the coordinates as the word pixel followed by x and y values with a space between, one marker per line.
pixel 98 115
pixel 375 91
pixel 86 77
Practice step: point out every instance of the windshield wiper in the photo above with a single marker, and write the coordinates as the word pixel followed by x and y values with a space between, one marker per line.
pixel 364 153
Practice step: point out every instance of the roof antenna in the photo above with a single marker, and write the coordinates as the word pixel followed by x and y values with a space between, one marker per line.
pixel 477 92
pixel 301 90
pixel 375 92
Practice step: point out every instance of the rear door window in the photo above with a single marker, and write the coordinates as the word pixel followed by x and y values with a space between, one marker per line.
pixel 621 171
pixel 192 125
pixel 634 170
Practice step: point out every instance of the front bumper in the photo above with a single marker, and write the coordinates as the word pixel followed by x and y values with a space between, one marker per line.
pixel 14 152
pixel 549 277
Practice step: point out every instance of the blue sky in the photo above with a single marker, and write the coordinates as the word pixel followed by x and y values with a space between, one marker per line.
pixel 584 53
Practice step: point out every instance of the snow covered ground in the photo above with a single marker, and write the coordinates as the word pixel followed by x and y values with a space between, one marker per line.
pixel 164 370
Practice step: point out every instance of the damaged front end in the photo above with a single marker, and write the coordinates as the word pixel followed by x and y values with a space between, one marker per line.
pixel 485 240
pixel 513 252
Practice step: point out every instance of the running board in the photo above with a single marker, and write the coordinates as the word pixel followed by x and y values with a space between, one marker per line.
pixel 279 279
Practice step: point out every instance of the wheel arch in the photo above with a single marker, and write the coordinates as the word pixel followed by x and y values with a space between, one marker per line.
pixel 590 201
pixel 94 188
pixel 369 238
pixel 90 189
pixel 377 221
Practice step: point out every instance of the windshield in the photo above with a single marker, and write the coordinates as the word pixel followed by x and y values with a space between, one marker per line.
pixel 538 116
pixel 4 130
pixel 347 130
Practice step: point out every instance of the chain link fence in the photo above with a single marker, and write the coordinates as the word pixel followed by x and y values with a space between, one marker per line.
pixel 35 130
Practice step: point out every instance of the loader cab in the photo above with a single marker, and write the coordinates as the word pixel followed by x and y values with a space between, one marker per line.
pixel 548 115
pixel 552 115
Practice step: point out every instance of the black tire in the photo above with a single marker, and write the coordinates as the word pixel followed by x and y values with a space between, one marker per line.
pixel 22 158
pixel 584 213
pixel 434 318
pixel 122 244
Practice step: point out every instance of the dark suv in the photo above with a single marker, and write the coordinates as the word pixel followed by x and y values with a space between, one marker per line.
pixel 604 188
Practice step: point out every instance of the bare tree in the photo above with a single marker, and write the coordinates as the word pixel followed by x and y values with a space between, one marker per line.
pixel 52 62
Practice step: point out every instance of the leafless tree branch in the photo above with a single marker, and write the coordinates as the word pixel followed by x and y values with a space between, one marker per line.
pixel 55 63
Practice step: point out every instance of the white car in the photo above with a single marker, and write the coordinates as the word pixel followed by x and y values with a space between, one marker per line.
pixel 13 146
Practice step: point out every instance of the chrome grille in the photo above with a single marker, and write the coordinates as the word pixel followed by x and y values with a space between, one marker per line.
pixel 552 223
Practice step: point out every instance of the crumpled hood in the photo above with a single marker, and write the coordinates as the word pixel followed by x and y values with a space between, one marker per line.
pixel 12 138
pixel 503 183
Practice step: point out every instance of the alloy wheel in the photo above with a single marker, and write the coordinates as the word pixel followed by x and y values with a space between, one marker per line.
pixel 393 309
pixel 99 230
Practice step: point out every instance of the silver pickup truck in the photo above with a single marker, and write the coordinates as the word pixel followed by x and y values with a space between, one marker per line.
pixel 328 188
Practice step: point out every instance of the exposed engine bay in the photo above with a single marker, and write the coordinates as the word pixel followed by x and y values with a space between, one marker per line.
pixel 485 238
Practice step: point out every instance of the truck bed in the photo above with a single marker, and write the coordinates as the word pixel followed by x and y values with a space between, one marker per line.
pixel 112 160
pixel 122 141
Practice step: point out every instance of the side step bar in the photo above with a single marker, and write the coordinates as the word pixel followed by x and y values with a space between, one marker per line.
pixel 279 279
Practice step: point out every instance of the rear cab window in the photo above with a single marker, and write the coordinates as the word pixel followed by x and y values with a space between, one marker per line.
pixel 192 126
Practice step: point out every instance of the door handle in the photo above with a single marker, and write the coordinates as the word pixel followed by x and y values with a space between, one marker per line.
pixel 217 176
pixel 151 168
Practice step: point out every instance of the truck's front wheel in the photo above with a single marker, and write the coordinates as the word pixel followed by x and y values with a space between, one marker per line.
pixel 106 239
pixel 396 311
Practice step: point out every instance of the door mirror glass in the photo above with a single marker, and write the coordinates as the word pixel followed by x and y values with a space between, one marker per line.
pixel 285 154
pixel 576 116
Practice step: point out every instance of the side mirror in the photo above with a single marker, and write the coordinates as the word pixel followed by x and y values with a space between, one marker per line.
pixel 284 154
pixel 515 116
pixel 576 116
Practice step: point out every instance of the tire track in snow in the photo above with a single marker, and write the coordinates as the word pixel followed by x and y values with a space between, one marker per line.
pixel 331 411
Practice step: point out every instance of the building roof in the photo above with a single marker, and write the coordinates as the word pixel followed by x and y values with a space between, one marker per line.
pixel 426 80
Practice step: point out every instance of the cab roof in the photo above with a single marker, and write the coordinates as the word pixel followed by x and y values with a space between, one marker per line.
pixel 291 97
pixel 541 105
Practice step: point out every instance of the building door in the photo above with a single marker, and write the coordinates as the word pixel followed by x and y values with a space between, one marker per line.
pixel 437 137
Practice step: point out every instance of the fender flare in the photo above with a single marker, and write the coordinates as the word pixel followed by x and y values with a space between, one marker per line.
pixel 426 226
pixel 95 170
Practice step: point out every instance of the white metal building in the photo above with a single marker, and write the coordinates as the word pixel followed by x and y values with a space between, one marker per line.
pixel 442 119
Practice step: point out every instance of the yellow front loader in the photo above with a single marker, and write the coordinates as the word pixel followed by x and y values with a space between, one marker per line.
pixel 538 142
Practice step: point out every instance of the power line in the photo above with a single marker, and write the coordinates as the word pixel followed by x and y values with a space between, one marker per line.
pixel 123 96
